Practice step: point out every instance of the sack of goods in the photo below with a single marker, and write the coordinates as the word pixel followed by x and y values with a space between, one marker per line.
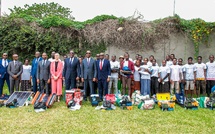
pixel 165 101
pixel 146 104
pixel 125 103
pixel 94 98
pixel 166 105
pixel 210 102
pixel 191 103
pixel 137 97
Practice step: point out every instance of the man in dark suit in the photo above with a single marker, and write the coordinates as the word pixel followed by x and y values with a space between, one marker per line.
pixel 71 71
pixel 103 75
pixel 14 70
pixel 4 76
pixel 88 73
pixel 34 70
pixel 43 74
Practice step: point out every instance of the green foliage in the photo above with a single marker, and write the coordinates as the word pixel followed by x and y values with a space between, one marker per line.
pixel 40 11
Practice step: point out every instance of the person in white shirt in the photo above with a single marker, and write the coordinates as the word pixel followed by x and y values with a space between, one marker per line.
pixel 115 66
pixel 163 74
pixel 154 77
pixel 169 62
pixel 200 76
pixel 136 58
pixel 175 77
pixel 137 75
pixel 151 58
pixel 189 76
pixel 52 57
pixel 182 83
pixel 210 75
pixel 145 72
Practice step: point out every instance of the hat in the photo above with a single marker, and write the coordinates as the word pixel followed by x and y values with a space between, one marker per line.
pixel 121 56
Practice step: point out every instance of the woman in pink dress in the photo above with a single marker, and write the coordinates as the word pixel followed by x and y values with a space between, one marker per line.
pixel 56 76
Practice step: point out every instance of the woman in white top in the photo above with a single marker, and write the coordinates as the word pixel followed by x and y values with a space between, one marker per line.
pixel 137 75
pixel 26 76
pixel 145 72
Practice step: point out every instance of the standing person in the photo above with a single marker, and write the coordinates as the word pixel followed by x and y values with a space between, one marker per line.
pixel 200 76
pixel 14 70
pixel 126 65
pixel 52 58
pixel 137 75
pixel 169 61
pixel 34 70
pixel 56 69
pixel 71 71
pixel 4 76
pixel 164 72
pixel 145 72
pixel 114 74
pixel 88 73
pixel 154 77
pixel 107 57
pixel 26 76
pixel 136 58
pixel 121 59
pixel 210 75
pixel 95 83
pixel 43 74
pixel 175 77
pixel 103 75
pixel 189 76
pixel 182 82
pixel 172 56
pixel 151 58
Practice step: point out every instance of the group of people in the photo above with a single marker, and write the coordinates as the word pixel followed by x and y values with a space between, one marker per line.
pixel 102 74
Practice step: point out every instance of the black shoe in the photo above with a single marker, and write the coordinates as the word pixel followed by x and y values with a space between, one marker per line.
pixel 85 99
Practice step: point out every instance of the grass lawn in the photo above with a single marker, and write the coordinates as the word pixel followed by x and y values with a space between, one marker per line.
pixel 59 119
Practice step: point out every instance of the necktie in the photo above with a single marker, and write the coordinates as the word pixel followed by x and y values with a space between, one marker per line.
pixel 100 64
pixel 71 61
pixel 44 62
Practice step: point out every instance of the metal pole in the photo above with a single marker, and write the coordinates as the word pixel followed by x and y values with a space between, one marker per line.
pixel 0 8
pixel 174 8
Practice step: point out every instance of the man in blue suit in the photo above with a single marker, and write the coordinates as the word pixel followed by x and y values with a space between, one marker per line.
pixel 4 76
pixel 88 73
pixel 103 75
pixel 71 71
pixel 34 70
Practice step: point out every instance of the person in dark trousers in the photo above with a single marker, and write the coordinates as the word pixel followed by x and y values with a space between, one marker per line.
pixel 4 76
pixel 34 70
pixel 103 75
pixel 154 77
pixel 88 73
pixel 14 70
pixel 210 75
pixel 71 71
pixel 43 74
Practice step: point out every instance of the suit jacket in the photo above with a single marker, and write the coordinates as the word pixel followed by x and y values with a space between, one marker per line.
pixel 3 70
pixel 88 71
pixel 106 70
pixel 15 69
pixel 71 71
pixel 43 71
pixel 34 67
pixel 59 71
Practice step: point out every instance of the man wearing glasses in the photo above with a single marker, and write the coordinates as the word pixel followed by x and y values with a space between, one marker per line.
pixel 88 73
pixel 71 71
pixel 4 76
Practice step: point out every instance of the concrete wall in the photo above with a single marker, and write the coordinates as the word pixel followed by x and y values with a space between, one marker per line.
pixel 178 44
